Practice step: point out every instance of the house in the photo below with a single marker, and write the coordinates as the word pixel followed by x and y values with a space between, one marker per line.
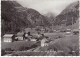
pixel 68 31
pixel 44 42
pixel 8 38
pixel 33 40
pixel 20 35
pixel 27 30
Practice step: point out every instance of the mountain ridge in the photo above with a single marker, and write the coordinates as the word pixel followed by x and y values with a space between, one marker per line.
pixel 69 15
pixel 14 17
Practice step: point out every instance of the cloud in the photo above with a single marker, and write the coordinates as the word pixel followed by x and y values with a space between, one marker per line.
pixel 45 6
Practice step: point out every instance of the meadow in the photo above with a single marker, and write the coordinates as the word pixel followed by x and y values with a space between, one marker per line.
pixel 67 44
pixel 17 45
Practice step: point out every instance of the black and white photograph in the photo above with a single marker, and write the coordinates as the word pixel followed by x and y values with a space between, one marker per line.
pixel 40 28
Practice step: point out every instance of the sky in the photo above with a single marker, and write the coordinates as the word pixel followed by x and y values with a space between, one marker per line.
pixel 45 6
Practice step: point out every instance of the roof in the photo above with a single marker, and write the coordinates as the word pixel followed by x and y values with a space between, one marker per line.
pixel 28 30
pixel 20 34
pixel 8 35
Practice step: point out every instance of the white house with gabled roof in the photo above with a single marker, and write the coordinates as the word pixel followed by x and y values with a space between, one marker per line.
pixel 7 38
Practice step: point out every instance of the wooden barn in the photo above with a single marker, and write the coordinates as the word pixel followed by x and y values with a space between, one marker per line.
pixel 8 38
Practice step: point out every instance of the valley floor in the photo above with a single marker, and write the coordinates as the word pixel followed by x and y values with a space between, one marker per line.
pixel 60 42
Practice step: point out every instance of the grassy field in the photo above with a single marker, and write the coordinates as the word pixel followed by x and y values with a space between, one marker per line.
pixel 68 44
pixel 65 46
pixel 17 44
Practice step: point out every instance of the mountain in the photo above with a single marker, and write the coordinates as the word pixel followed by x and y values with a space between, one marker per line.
pixel 36 18
pixel 75 25
pixel 14 17
pixel 69 15
pixel 11 20
pixel 50 17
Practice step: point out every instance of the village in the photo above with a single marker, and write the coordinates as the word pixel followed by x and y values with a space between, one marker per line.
pixel 33 40
pixel 26 31
pixel 30 34
pixel 27 36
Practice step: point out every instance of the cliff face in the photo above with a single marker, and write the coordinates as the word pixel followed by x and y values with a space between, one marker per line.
pixel 14 17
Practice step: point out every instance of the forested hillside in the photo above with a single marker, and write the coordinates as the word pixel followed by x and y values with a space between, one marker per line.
pixel 69 15
pixel 14 17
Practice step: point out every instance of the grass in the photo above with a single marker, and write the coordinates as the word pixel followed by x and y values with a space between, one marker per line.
pixel 67 45
pixel 17 45
pixel 29 53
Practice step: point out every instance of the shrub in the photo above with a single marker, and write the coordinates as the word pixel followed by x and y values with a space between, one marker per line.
pixel 8 50
pixel 59 36
pixel 75 32
pixel 3 52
